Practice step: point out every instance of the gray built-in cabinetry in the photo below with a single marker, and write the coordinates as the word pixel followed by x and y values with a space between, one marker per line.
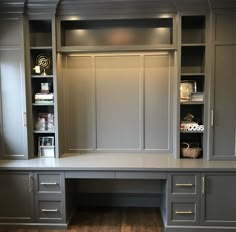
pixel 119 97
pixel 13 128
pixel 193 96
pixel 200 199
pixel 223 109
pixel 43 87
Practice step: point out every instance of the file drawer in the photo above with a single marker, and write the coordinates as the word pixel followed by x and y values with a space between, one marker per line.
pixel 50 210
pixel 183 211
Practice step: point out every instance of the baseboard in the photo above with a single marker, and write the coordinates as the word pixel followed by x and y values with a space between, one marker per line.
pixel 50 226
pixel 199 229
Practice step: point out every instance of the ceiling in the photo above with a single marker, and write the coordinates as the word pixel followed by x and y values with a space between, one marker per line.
pixel 110 8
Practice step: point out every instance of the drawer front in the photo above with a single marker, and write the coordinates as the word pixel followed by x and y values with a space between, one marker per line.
pixel 50 210
pixel 184 184
pixel 49 182
pixel 183 212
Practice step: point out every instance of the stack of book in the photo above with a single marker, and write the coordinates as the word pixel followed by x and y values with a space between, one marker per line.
pixel 43 98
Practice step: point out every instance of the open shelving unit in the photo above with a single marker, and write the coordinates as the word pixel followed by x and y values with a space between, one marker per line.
pixel 192 80
pixel 42 86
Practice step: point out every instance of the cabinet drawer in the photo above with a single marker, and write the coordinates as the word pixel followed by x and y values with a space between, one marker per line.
pixel 184 184
pixel 49 182
pixel 50 210
pixel 183 211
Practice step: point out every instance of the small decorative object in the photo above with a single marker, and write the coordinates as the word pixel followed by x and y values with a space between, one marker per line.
pixel 40 124
pixel 191 124
pixel 190 151
pixel 189 117
pixel 198 96
pixel 186 89
pixel 45 87
pixel 46 146
pixel 44 98
pixel 43 63
pixel 45 122
pixel 186 126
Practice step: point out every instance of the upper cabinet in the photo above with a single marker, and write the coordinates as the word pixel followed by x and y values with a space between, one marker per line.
pixel 223 85
pixel 13 125
pixel 42 75
pixel 192 85
pixel 116 34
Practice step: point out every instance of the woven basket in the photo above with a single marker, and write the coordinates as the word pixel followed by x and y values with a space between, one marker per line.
pixel 190 152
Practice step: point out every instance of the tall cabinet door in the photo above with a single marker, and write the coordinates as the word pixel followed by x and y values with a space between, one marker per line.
pixel 223 114
pixel 16 197
pixel 218 203
pixel 13 131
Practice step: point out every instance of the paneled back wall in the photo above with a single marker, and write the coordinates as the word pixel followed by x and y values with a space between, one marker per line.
pixel 117 102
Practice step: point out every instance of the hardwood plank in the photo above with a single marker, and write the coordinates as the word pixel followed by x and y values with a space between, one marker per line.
pixel 110 219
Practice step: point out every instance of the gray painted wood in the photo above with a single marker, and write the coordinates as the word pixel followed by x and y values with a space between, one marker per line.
pixel 218 204
pixel 183 195
pixel 141 175
pixel 157 102
pixel 225 27
pixel 118 102
pixel 16 199
pixel 224 135
pixel 78 104
pixel 10 29
pixel 12 85
pixel 90 175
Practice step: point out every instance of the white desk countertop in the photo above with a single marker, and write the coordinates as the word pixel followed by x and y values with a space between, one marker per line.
pixel 118 161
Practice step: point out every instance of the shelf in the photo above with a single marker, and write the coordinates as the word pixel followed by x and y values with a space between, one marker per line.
pixel 193 45
pixel 44 132
pixel 41 48
pixel 42 76
pixel 116 32
pixel 43 104
pixel 192 102
pixel 191 132
pixel 192 74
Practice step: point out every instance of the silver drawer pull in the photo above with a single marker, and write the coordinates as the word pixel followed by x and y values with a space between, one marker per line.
pixel 184 185
pixel 48 183
pixel 49 210
pixel 184 212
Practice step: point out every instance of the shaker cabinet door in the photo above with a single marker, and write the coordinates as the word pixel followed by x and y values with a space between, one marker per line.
pixel 16 197
pixel 13 131
pixel 223 107
pixel 224 121
pixel 218 203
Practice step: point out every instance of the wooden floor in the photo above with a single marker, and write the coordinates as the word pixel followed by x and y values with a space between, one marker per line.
pixel 111 220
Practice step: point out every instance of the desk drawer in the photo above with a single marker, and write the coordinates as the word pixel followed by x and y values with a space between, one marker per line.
pixel 49 182
pixel 184 184
pixel 50 210
pixel 183 212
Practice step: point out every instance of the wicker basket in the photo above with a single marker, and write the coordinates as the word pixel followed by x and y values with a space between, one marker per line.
pixel 190 152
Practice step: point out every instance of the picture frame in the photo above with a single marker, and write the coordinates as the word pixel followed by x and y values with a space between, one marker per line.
pixel 186 89
pixel 46 146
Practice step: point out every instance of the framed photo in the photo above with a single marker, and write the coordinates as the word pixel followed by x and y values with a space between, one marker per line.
pixel 46 146
pixel 186 89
